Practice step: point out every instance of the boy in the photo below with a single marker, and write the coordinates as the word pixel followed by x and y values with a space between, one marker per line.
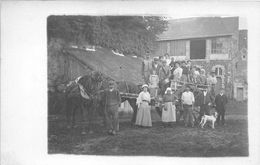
pixel 221 101
pixel 153 85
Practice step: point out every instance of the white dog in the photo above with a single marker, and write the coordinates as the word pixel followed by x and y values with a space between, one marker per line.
pixel 211 118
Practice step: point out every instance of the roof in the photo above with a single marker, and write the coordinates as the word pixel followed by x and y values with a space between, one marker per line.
pixel 116 67
pixel 199 28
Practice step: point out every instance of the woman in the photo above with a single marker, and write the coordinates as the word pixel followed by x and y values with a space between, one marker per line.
pixel 169 110
pixel 143 117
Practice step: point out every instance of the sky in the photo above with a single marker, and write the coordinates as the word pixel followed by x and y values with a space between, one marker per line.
pixel 242 20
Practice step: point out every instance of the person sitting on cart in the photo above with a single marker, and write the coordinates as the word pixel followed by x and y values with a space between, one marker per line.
pixel 185 72
pixel 203 78
pixel 177 73
pixel 154 84
pixel 197 75
pixel 164 75
pixel 212 81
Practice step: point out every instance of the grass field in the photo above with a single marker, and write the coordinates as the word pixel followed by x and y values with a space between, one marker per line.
pixel 228 140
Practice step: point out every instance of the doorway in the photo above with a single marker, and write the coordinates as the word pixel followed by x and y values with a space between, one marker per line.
pixel 240 94
pixel 218 85
pixel 197 49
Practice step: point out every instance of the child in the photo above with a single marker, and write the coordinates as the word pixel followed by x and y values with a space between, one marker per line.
pixel 153 85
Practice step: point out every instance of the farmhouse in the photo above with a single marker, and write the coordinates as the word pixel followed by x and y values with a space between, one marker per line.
pixel 213 43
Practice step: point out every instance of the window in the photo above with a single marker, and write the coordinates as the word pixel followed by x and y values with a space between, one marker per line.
pixel 218 71
pixel 244 57
pixel 243 53
pixel 217 46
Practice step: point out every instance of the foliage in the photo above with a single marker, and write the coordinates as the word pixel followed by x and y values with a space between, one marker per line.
pixel 127 34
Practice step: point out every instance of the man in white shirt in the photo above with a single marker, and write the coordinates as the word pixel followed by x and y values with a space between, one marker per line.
pixel 187 102
pixel 177 72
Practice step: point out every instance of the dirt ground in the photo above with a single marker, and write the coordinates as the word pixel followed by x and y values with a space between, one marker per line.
pixel 228 140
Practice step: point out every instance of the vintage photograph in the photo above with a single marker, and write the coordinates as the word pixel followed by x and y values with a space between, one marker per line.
pixel 147 85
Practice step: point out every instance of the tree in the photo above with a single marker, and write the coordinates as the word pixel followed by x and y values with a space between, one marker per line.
pixel 128 34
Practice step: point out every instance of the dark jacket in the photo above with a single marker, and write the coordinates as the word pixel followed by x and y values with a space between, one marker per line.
pixel 156 68
pixel 204 100
pixel 221 101
pixel 112 97
pixel 164 73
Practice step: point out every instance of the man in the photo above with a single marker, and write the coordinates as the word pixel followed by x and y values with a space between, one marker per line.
pixel 187 103
pixel 172 63
pixel 212 81
pixel 177 73
pixel 146 68
pixel 112 103
pixel 185 71
pixel 203 78
pixel 189 70
pixel 204 101
pixel 221 101
pixel 168 59
pixel 156 66
pixel 164 74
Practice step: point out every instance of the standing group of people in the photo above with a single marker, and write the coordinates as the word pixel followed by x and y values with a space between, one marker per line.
pixel 204 100
pixel 158 73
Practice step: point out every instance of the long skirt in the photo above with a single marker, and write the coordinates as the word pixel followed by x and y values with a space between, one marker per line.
pixel 169 112
pixel 143 117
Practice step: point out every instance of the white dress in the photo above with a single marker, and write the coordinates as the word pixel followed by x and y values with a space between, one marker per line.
pixel 169 112
pixel 143 117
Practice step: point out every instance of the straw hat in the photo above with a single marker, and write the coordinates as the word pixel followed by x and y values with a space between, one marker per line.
pixel 168 89
pixel 145 85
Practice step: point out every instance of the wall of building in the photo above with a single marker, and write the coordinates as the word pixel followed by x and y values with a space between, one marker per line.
pixel 240 67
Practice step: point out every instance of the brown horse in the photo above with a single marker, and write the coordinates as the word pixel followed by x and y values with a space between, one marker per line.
pixel 94 85
pixel 75 103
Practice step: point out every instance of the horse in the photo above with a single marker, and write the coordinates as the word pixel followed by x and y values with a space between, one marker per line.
pixel 94 86
pixel 82 97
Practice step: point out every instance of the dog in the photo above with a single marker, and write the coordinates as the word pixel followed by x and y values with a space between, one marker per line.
pixel 211 118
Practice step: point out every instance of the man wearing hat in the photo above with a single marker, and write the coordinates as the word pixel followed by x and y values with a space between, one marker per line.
pixel 112 103
pixel 205 99
pixel 156 65
pixel 187 102
pixel 164 75
pixel 221 101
